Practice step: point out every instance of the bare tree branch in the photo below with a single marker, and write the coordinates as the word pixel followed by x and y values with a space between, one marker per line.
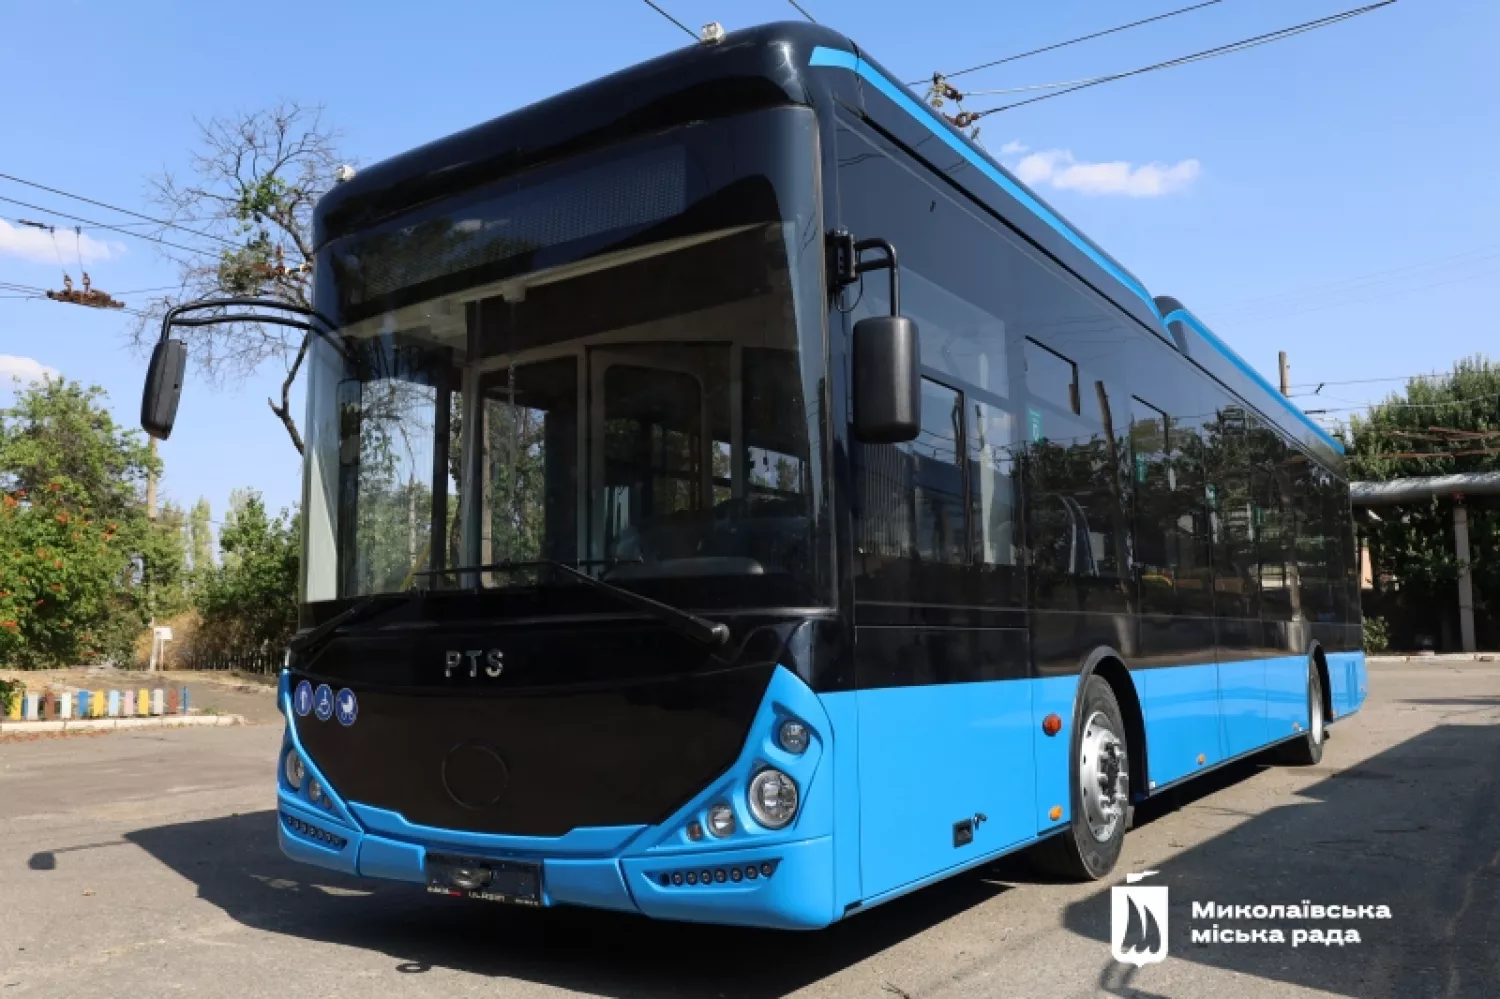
pixel 256 178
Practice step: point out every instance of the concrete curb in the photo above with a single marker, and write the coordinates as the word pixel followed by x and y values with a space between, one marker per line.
pixel 108 724
pixel 1446 657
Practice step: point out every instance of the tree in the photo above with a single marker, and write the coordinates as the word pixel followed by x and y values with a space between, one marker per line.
pixel 81 567
pixel 251 597
pixel 200 539
pixel 1436 426
pixel 247 211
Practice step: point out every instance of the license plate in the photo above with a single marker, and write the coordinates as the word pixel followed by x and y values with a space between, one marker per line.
pixel 509 881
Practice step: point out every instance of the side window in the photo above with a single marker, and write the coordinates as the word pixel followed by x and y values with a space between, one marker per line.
pixel 1236 570
pixel 1052 378
pixel 911 496
pixel 1154 481
pixel 997 535
pixel 1078 534
pixel 1274 525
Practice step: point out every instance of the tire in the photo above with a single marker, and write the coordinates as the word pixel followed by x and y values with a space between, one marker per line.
pixel 1080 852
pixel 1307 750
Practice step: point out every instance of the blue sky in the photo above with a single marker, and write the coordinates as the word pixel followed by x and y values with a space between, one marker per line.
pixel 1334 195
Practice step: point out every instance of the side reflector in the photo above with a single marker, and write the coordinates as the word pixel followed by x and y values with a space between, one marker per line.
pixel 1056 812
pixel 1201 758
pixel 1052 724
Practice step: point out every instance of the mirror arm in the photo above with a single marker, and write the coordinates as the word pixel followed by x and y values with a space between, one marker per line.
pixel 865 266
pixel 323 327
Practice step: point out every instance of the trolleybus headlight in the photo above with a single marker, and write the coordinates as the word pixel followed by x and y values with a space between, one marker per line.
pixel 295 771
pixel 315 792
pixel 773 799
pixel 721 820
pixel 793 737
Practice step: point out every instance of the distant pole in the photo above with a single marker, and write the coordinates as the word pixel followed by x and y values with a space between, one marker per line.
pixel 1286 373
pixel 151 484
pixel 1465 574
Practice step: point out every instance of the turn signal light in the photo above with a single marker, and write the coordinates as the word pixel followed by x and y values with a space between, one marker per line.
pixel 1052 724
pixel 1055 813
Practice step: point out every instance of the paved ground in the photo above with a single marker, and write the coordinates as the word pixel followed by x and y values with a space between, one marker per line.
pixel 145 864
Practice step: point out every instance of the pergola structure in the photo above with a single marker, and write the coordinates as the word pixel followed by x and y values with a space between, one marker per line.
pixel 1454 487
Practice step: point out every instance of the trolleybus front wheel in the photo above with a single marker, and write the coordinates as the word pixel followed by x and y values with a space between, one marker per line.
pixel 1100 786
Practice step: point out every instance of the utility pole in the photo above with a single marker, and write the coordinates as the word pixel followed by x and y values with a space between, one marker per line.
pixel 1286 373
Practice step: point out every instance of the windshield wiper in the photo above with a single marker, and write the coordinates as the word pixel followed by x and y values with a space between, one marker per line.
pixel 699 629
pixel 305 645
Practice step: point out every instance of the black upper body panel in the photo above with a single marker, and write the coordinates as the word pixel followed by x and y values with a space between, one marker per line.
pixel 752 69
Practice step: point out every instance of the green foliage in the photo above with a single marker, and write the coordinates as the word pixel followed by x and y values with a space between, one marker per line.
pixel 1376 639
pixel 1437 426
pixel 250 599
pixel 9 691
pixel 81 566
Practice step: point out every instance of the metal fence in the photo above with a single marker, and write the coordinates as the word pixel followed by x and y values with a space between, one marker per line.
pixel 252 661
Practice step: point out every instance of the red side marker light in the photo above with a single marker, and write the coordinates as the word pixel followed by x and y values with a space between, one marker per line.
pixel 1052 724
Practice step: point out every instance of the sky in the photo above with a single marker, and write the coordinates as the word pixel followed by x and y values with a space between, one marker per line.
pixel 1334 195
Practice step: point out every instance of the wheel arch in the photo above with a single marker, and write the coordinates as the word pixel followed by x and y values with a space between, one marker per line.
pixel 1320 660
pixel 1109 666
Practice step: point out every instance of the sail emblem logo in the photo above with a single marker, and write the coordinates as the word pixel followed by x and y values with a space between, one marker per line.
pixel 1138 921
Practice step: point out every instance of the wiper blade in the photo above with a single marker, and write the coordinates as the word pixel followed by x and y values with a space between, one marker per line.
pixel 699 629
pixel 364 607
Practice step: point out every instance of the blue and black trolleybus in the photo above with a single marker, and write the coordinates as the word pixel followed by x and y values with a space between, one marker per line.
pixel 731 496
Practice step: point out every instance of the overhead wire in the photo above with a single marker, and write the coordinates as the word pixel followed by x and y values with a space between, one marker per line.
pixel 801 11
pixel 688 31
pixel 1071 41
pixel 1220 50
pixel 99 225
pixel 115 208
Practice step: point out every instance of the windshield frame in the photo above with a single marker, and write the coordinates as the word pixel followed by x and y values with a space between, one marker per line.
pixel 779 145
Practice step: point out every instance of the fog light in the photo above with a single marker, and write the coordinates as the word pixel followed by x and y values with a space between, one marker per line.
pixel 793 737
pixel 773 799
pixel 294 769
pixel 721 820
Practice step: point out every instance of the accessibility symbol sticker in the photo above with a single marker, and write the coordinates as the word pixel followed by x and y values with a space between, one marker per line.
pixel 347 708
pixel 302 699
pixel 323 703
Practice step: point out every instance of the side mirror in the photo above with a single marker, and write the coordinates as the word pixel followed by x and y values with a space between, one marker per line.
pixel 163 388
pixel 887 382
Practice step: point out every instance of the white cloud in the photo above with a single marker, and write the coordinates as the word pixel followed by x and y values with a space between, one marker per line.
pixel 36 245
pixel 24 368
pixel 1062 170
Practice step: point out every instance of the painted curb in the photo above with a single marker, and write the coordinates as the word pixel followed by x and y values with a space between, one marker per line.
pixel 108 724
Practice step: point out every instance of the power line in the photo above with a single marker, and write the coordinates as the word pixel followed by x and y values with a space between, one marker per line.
pixel 1361 282
pixel 968 118
pixel 814 20
pixel 1253 319
pixel 116 208
pixel 1070 41
pixel 688 31
pixel 99 225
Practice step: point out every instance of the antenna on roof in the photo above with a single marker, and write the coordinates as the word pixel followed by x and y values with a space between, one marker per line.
pixel 712 33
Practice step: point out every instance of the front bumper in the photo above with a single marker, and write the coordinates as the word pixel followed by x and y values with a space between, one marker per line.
pixel 797 895
pixel 639 869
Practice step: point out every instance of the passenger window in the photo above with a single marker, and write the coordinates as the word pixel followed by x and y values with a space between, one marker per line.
pixel 912 496
pixel 1051 377
pixel 993 488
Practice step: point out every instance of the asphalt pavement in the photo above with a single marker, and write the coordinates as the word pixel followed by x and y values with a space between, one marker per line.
pixel 145 864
